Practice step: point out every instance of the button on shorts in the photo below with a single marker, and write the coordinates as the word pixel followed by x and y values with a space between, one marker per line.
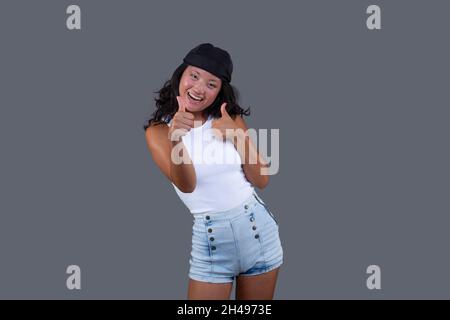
pixel 242 241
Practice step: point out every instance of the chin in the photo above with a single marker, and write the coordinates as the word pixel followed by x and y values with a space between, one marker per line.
pixel 190 108
pixel 194 109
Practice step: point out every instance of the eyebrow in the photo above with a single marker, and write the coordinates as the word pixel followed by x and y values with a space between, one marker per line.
pixel 200 73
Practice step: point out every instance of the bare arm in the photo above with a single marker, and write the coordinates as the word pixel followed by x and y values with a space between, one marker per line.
pixel 247 150
pixel 180 174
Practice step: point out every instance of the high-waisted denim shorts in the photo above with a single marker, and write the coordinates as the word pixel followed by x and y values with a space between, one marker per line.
pixel 242 241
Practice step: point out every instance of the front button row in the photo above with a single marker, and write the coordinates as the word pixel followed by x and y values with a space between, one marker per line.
pixel 212 238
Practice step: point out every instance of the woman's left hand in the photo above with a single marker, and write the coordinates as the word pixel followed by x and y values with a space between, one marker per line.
pixel 224 124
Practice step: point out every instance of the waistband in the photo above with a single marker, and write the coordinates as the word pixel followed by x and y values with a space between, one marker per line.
pixel 232 213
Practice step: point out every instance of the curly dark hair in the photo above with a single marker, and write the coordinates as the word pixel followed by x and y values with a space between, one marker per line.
pixel 167 104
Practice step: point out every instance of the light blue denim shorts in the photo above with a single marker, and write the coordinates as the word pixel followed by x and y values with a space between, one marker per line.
pixel 243 241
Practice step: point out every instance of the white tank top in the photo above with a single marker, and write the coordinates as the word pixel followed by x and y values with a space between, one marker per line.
pixel 221 183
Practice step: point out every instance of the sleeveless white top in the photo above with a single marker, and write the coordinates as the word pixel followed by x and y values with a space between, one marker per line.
pixel 221 183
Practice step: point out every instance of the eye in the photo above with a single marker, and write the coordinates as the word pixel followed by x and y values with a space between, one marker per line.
pixel 213 85
pixel 194 76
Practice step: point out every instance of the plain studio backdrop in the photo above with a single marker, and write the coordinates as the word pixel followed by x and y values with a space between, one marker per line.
pixel 363 119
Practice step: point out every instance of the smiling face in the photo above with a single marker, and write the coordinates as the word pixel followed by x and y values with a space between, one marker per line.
pixel 199 87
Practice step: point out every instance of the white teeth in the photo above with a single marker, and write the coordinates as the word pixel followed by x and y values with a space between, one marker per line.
pixel 195 97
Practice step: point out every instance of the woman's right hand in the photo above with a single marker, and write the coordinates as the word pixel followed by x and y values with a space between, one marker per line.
pixel 182 121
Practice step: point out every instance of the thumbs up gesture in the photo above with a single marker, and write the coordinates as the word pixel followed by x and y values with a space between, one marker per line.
pixel 182 121
pixel 222 124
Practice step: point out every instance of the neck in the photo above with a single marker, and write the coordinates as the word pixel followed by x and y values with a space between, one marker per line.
pixel 199 116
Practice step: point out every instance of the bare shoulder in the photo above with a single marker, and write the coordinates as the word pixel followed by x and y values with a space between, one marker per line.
pixel 156 133
pixel 240 122
pixel 159 146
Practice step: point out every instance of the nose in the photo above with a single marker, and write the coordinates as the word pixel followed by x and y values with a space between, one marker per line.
pixel 199 90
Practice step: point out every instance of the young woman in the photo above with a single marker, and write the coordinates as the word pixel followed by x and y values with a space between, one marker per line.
pixel 198 138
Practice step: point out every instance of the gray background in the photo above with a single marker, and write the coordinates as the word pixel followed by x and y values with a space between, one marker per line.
pixel 363 118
